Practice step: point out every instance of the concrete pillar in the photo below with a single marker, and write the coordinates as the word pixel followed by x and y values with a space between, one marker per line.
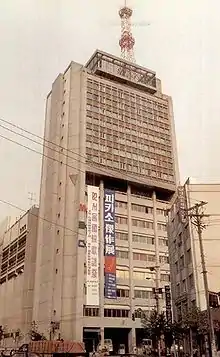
pixel 156 242
pixel 101 263
pixel 132 340
pixel 132 334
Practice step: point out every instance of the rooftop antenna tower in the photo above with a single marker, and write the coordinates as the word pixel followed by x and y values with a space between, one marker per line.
pixel 126 41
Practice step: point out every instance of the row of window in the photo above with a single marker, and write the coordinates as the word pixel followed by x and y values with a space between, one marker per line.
pixel 105 144
pixel 139 275
pixel 140 118
pixel 95 312
pixel 139 208
pixel 148 101
pixel 143 118
pixel 140 223
pixel 136 238
pixel 96 119
pixel 110 146
pixel 131 155
pixel 184 261
pixel 113 95
pixel 142 257
pixel 185 285
pixel 125 132
pixel 135 168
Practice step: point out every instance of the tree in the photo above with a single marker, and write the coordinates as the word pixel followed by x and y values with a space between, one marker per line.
pixel 156 326
pixel 34 334
pixel 196 323
pixel 196 320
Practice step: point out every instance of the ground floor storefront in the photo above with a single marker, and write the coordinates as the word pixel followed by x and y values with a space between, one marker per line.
pixel 121 338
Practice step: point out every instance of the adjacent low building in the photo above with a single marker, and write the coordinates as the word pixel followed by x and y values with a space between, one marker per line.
pixel 184 250
pixel 17 272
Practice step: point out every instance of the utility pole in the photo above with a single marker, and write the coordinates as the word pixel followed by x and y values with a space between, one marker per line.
pixel 196 214
pixel 157 292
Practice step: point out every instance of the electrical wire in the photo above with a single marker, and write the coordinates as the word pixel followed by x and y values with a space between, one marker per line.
pixel 36 215
pixel 56 224
pixel 132 177
pixel 33 150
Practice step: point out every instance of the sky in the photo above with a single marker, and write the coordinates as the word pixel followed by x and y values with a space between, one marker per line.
pixel 179 39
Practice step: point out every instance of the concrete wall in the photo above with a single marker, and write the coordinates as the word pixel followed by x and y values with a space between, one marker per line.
pixel 58 260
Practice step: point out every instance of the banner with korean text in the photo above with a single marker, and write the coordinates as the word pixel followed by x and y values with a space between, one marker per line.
pixel 92 245
pixel 109 242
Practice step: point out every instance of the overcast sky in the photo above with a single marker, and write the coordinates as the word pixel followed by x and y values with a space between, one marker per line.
pixel 39 38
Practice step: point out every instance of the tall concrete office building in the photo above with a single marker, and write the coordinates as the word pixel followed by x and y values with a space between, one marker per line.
pixel 109 172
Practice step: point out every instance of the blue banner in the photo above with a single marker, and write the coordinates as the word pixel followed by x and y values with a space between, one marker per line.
pixel 109 239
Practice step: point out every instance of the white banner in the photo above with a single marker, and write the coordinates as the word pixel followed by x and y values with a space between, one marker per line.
pixel 92 244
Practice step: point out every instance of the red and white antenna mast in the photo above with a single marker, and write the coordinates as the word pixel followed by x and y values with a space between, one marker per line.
pixel 127 41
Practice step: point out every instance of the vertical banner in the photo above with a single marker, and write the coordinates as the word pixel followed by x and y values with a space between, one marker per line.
pixel 109 241
pixel 92 244
pixel 168 304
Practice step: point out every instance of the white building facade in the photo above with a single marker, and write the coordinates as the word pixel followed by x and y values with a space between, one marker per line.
pixel 109 171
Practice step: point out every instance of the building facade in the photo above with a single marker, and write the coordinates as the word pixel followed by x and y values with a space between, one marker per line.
pixel 109 171
pixel 17 272
pixel 185 255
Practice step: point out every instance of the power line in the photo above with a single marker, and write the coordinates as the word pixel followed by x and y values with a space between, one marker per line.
pixel 36 215
pixel 52 149
pixel 33 150
pixel 132 177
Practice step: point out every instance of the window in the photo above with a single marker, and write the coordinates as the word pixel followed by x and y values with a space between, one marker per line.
pixel 122 274
pixel 182 262
pixel 90 311
pixel 162 227
pixel 122 236
pixel 161 212
pixel 165 277
pixel 142 239
pixel 116 313
pixel 163 242
pixel 123 293
pixel 121 220
pixel 140 208
pixel 180 240
pixel 184 286
pixel 141 275
pixel 164 259
pixel 142 224
pixel 23 228
pixel 143 294
pixel 179 312
pixel 178 289
pixel 121 254
pixel 120 204
pixel 141 314
pixel 188 257
pixel 191 281
pixel 177 267
pixel 144 257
